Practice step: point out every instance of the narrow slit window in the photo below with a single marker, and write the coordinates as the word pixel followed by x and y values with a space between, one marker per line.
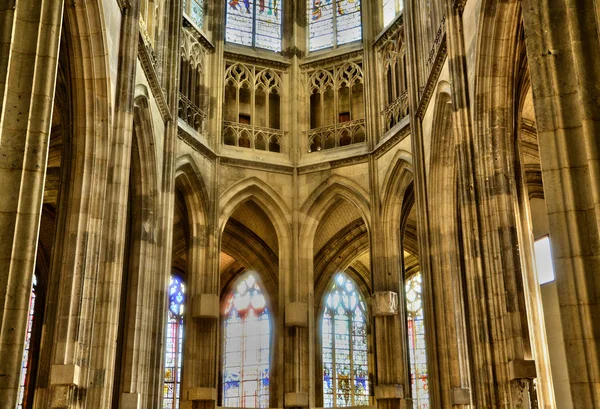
pixel 419 378
pixel 174 344
pixel 344 345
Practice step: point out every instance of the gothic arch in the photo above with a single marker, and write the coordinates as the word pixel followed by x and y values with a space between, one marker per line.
pixel 321 199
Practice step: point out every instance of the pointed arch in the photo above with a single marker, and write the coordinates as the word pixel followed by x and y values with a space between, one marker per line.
pixel 321 199
pixel 189 180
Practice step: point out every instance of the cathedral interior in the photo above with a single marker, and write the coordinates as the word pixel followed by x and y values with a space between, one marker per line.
pixel 300 204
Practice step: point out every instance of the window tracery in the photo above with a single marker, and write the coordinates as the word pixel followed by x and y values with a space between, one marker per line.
pixel 341 88
pixel 247 346
pixel 25 362
pixel 416 342
pixel 174 344
pixel 344 345
pixel 252 110
pixel 392 57
pixel 333 23
pixel 254 23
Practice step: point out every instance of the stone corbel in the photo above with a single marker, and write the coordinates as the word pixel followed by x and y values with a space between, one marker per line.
pixel 65 375
pixel 385 303
pixel 296 314
pixel 206 306
pixel 461 396
pixel 393 391
pixel 522 369
pixel 296 400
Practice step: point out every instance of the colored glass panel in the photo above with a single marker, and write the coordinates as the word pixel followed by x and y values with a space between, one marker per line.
pixel 333 22
pixel 254 23
pixel 197 12
pixel 174 345
pixel 391 8
pixel 344 346
pixel 416 342
pixel 26 351
pixel 247 346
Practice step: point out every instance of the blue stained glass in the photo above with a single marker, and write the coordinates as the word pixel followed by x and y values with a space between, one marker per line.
pixel 174 345
pixel 247 338
pixel 344 346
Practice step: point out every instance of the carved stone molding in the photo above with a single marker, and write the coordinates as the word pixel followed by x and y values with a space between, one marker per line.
pixel 434 74
pixel 352 56
pixel 385 303
pixel 147 61
pixel 390 32
pixel 197 34
pixel 195 143
pixel 253 60
pixel 257 165
pixel 399 136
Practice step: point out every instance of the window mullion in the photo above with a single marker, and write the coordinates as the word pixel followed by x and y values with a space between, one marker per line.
pixel 351 345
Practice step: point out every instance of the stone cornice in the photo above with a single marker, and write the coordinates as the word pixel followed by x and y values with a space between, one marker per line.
pixel 434 74
pixel 197 33
pixel 255 60
pixel 147 60
pixel 195 143
pixel 331 60
pixel 390 31
pixel 225 160
pixel 389 143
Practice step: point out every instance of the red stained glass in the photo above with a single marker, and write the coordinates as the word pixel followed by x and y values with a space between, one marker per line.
pixel 174 345
pixel 416 342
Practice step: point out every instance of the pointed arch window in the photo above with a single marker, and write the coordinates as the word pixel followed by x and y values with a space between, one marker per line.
pixel 416 342
pixel 174 344
pixel 247 346
pixel 333 23
pixel 25 362
pixel 254 23
pixel 344 331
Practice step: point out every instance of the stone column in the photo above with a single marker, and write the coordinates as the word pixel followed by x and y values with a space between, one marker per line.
pixel 29 44
pixel 563 50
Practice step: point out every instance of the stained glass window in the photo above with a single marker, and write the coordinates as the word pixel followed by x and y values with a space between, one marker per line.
pixel 391 8
pixel 195 11
pixel 254 23
pixel 247 346
pixel 174 344
pixel 344 329
pixel 25 361
pixel 333 23
pixel 416 342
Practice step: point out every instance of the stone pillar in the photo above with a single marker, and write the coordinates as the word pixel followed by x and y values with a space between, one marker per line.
pixel 29 44
pixel 563 49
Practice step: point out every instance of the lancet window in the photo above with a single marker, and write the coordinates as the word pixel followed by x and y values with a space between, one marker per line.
pixel 191 84
pixel 254 23
pixel 344 345
pixel 194 10
pixel 26 361
pixel 252 110
pixel 337 109
pixel 419 377
pixel 333 23
pixel 246 346
pixel 392 55
pixel 174 344
pixel 391 8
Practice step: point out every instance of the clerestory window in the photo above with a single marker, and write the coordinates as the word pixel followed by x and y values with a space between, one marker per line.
pixel 254 23
pixel 333 23
pixel 391 8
